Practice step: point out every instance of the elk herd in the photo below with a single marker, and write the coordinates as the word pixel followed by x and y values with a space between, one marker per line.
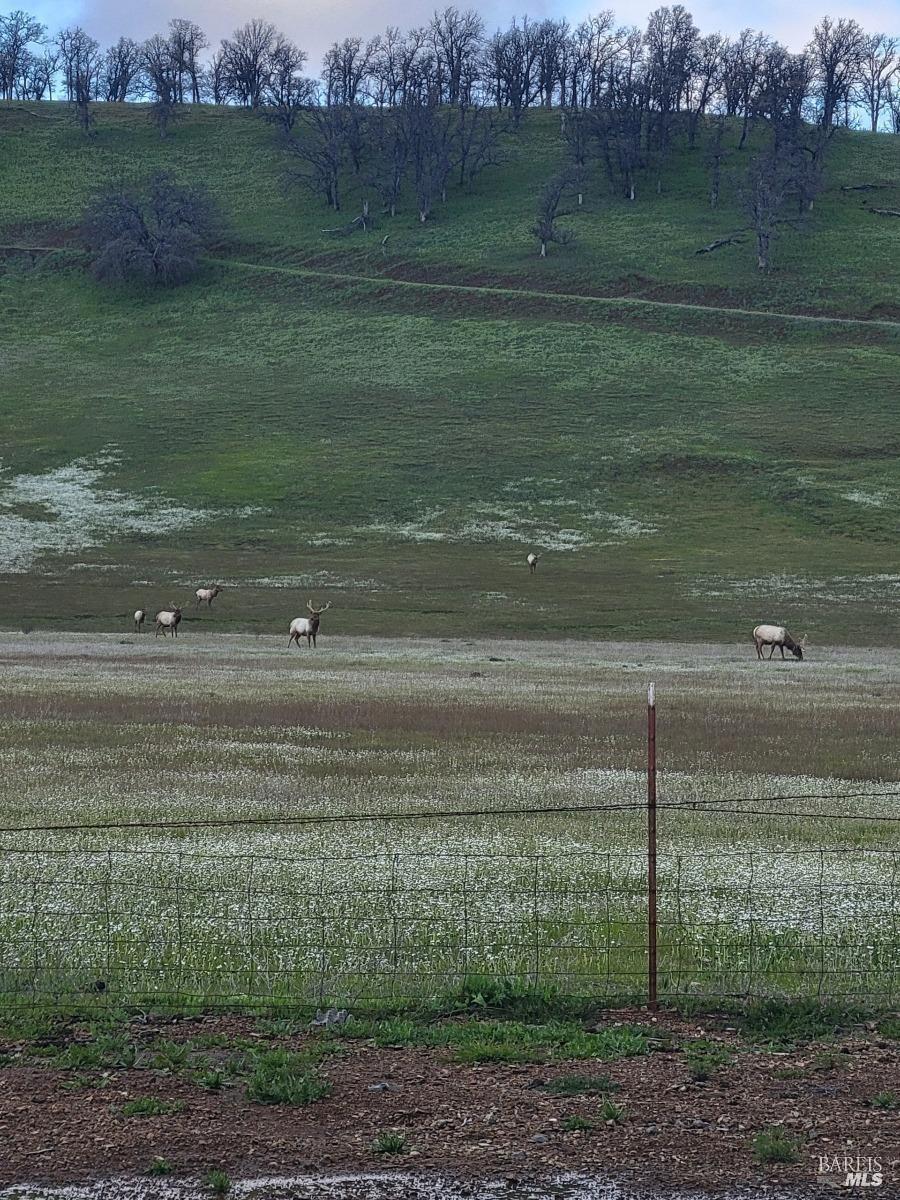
pixel 167 620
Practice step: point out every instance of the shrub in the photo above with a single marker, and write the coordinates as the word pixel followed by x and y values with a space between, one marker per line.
pixel 774 1146
pixel 152 235
pixel 218 1182
pixel 390 1141
pixel 610 1111
pixel 576 1124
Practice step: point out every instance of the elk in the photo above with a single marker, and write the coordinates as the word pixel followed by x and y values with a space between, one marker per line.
pixel 207 595
pixel 307 627
pixel 168 618
pixel 139 617
pixel 776 635
pixel 532 561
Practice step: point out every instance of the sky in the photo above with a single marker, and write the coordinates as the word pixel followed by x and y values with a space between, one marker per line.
pixel 314 26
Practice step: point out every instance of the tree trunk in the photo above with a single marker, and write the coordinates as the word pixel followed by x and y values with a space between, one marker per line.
pixel 744 129
pixel 543 249
pixel 762 250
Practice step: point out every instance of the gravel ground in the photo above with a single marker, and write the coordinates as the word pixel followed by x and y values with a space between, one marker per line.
pixel 472 1124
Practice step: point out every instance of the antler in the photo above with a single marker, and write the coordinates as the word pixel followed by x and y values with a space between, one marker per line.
pixel 317 611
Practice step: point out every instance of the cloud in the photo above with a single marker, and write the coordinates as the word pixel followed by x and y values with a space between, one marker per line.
pixel 315 26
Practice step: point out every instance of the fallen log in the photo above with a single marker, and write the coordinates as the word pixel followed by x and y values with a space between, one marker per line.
pixel 863 187
pixel 885 212
pixel 734 240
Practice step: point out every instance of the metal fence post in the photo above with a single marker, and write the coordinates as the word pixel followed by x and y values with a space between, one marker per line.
pixel 651 848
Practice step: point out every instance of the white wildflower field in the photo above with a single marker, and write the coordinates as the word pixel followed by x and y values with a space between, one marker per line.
pixel 284 836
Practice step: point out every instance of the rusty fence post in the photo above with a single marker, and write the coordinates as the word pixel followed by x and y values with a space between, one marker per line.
pixel 651 848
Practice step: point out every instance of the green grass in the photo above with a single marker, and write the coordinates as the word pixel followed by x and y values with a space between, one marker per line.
pixel 218 1182
pixel 788 1022
pixel 151 1106
pixel 507 1041
pixel 705 1059
pixel 402 442
pixel 536 921
pixel 390 1142
pixel 775 1146
pixel 611 1112
pixel 581 1085
pixel 284 1077
pixel 577 1124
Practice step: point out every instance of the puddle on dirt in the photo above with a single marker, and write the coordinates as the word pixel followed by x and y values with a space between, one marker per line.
pixel 379 1187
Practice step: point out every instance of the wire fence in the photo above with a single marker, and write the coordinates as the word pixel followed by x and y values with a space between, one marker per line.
pixel 162 923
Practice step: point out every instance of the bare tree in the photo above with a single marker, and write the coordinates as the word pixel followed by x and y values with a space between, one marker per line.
pixel 218 80
pixel 247 57
pixel 456 41
pixel 575 125
pixel 40 73
pixel 714 157
pixel 287 91
pixel 186 41
pixel 389 155
pixel 18 31
pixel 764 194
pixel 550 60
pixel 878 66
pixel 836 52
pixel 511 64
pixel 347 68
pixel 153 234
pixel 321 146
pixel 545 227
pixel 670 40
pixel 892 105
pixel 80 57
pixel 705 64
pixel 478 141
pixel 120 72
pixel 160 77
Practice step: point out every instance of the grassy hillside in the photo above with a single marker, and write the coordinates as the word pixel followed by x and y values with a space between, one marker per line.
pixel 691 444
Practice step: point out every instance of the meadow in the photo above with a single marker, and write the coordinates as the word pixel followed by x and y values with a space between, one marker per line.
pixel 692 447
pixel 338 880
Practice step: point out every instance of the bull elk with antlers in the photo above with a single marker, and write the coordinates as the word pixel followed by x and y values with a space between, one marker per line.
pixel 307 627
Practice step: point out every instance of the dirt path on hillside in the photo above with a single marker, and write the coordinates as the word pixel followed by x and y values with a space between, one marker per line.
pixel 511 291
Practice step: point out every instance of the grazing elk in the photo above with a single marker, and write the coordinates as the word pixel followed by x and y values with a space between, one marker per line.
pixel 532 561
pixel 207 595
pixel 307 627
pixel 168 619
pixel 776 636
pixel 139 617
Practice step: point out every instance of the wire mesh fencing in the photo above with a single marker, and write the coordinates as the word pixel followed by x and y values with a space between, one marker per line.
pixel 183 925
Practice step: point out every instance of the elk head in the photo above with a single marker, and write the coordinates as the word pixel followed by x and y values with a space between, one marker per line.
pixel 317 612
